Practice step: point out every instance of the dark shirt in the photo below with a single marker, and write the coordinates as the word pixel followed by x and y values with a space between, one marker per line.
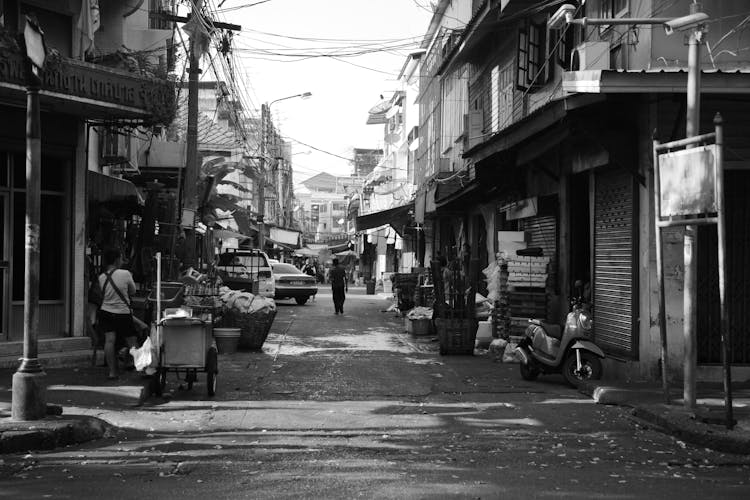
pixel 338 277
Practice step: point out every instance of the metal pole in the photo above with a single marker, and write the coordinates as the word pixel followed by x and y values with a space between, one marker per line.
pixel 660 277
pixel 726 339
pixel 690 260
pixel 29 391
pixel 262 179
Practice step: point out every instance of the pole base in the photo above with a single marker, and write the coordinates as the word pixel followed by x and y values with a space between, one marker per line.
pixel 29 396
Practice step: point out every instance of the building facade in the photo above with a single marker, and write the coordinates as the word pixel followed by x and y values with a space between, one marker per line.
pixel 81 89
pixel 547 129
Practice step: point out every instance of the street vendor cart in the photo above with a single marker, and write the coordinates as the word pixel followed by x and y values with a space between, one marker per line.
pixel 185 346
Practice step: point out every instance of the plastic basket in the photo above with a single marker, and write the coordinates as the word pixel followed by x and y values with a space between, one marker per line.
pixel 253 327
pixel 456 336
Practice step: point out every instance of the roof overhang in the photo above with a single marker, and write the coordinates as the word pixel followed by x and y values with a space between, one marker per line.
pixel 662 81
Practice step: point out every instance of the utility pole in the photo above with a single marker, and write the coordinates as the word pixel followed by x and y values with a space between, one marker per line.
pixel 189 201
pixel 690 239
pixel 262 178
pixel 187 197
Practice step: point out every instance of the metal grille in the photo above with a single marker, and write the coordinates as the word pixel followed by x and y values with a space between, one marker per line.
pixel 613 280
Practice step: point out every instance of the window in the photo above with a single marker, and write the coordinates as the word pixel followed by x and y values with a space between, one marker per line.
pixel 612 8
pixel 532 70
pixel 609 9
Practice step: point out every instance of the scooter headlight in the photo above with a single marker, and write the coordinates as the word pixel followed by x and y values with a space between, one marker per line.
pixel 584 321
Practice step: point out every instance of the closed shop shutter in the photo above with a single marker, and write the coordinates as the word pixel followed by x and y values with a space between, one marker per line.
pixel 614 278
pixel 541 231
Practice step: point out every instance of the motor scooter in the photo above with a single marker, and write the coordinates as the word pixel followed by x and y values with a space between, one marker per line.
pixel 548 348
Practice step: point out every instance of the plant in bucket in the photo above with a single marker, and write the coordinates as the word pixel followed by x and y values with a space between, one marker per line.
pixel 227 339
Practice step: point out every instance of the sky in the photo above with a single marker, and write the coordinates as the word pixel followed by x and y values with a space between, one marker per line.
pixel 343 89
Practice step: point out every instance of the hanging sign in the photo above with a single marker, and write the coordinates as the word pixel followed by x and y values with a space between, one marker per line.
pixel 687 181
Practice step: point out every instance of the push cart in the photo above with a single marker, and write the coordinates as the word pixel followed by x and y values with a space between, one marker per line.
pixel 185 345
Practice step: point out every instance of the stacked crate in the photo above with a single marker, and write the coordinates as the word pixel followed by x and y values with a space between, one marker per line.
pixel 527 281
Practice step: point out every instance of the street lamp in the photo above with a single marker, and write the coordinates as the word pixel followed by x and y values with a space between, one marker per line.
pixel 29 390
pixel 265 115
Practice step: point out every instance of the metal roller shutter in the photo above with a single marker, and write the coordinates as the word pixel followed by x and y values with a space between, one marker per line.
pixel 542 232
pixel 614 277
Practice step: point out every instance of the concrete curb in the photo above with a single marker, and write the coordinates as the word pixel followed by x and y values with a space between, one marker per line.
pixel 675 422
pixel 684 427
pixel 50 433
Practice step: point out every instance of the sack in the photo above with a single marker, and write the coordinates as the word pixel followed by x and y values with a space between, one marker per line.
pixel 95 295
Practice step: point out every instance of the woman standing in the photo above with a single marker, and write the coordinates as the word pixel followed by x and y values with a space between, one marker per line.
pixel 115 317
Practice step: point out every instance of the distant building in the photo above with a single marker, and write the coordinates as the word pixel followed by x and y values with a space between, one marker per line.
pixel 365 160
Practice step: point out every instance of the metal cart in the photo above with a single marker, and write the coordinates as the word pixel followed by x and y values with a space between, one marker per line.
pixel 185 346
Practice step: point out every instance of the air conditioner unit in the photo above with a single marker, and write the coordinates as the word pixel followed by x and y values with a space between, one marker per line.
pixel 590 55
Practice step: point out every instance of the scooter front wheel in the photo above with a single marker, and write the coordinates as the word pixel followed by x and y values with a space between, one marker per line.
pixel 591 368
pixel 529 372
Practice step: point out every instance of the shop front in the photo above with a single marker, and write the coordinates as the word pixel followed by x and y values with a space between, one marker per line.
pixel 73 95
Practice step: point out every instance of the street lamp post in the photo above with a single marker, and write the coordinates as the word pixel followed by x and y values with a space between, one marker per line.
pixel 265 116
pixel 29 390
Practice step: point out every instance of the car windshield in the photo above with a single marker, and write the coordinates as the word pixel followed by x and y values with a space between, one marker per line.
pixel 285 269
pixel 248 261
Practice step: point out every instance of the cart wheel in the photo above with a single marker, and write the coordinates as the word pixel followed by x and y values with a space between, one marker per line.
pixel 211 383
pixel 212 360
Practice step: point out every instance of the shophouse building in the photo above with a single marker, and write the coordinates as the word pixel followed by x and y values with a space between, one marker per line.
pixel 547 129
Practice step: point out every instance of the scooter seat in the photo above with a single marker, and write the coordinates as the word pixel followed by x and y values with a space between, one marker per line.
pixel 553 330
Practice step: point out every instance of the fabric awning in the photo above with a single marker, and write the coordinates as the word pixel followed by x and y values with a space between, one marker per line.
pixel 397 215
pixel 104 188
pixel 285 237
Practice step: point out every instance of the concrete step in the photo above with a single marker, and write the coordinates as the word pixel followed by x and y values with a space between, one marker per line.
pixel 59 352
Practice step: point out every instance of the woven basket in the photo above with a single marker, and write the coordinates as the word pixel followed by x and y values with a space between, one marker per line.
pixel 253 327
pixel 456 336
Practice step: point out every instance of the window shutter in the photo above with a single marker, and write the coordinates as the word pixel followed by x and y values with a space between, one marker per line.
pixel 522 64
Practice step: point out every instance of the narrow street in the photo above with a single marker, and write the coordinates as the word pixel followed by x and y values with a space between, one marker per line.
pixel 349 406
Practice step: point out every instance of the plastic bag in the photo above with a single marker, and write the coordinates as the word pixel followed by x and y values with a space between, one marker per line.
pixel 144 356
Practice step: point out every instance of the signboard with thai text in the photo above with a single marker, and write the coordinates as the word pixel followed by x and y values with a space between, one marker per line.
pixel 99 83
pixel 688 182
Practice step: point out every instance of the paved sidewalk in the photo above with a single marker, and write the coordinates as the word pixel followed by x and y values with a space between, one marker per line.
pixel 94 407
pixel 704 426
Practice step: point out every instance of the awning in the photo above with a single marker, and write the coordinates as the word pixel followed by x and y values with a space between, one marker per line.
pixel 105 188
pixel 285 236
pixel 394 216
pixel 653 81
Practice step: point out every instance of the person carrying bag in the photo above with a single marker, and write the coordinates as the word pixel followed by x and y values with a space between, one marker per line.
pixel 116 320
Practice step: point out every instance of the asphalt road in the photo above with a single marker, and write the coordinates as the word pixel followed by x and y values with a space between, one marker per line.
pixel 350 406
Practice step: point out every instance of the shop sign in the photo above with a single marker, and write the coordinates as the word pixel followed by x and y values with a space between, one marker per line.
pixel 688 182
pixel 77 79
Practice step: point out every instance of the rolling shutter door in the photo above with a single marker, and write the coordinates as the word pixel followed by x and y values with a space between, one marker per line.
pixel 614 263
pixel 541 232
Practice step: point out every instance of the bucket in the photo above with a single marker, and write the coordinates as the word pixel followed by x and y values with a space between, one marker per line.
pixel 227 339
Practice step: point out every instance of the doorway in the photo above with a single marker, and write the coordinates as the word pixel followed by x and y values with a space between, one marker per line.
pixel 580 230
pixel 4 264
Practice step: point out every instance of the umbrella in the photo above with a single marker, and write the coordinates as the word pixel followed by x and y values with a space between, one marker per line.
pixel 223 234
pixel 306 252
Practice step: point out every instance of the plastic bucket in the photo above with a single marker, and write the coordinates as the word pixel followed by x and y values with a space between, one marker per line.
pixel 227 339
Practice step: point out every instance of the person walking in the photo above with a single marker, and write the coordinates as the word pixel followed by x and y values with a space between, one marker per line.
pixel 338 286
pixel 115 317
